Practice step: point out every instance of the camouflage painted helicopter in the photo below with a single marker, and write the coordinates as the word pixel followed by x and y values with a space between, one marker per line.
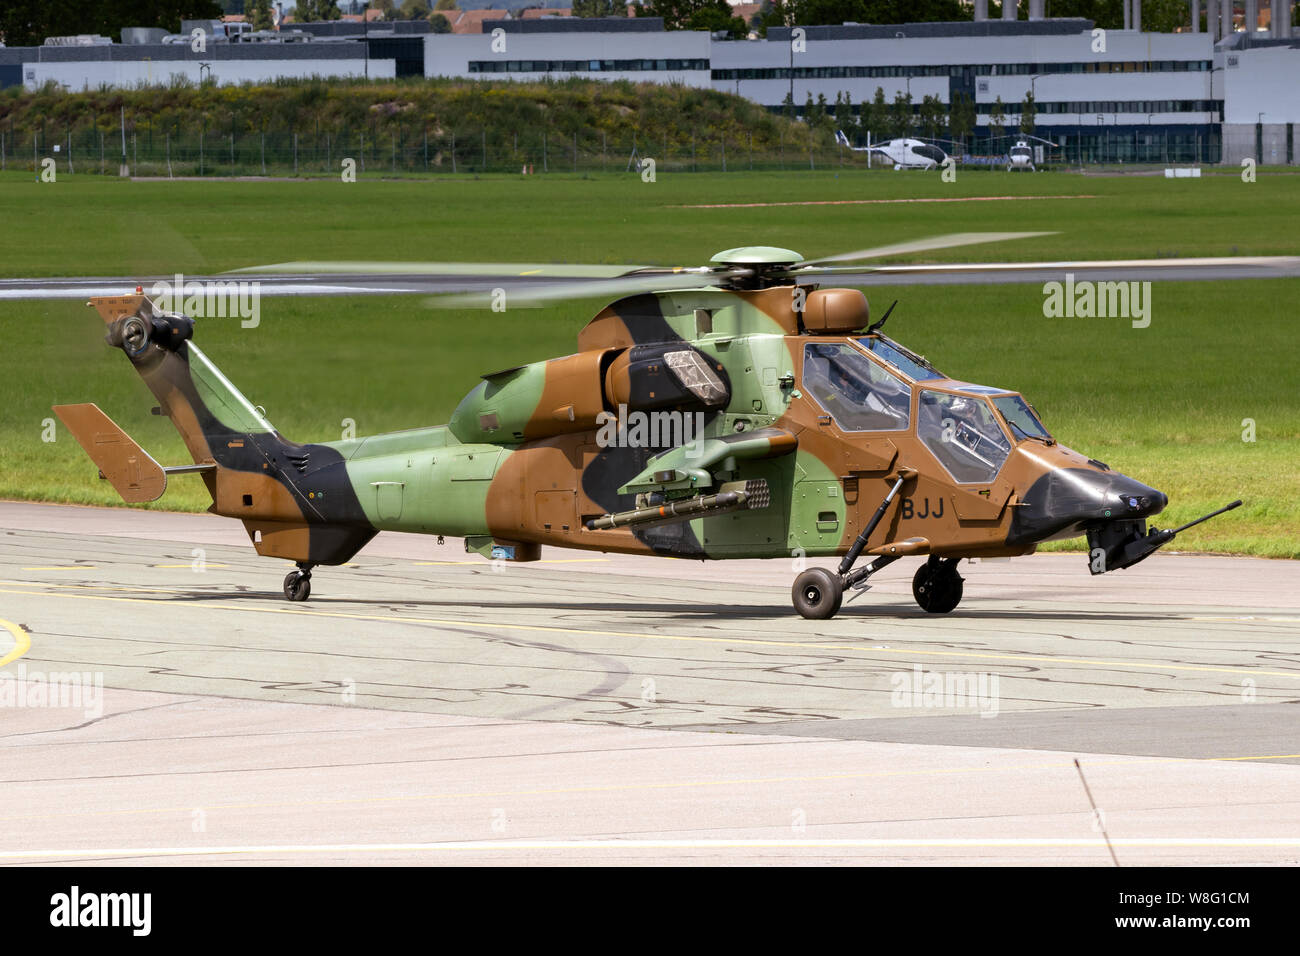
pixel 775 419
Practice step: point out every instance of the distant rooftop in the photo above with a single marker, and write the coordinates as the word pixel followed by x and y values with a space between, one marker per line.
pixel 355 28
pixel 578 25
pixel 1065 26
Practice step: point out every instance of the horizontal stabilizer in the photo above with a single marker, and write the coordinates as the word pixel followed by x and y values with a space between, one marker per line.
pixel 127 466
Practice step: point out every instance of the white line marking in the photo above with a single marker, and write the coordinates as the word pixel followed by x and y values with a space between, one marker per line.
pixel 487 845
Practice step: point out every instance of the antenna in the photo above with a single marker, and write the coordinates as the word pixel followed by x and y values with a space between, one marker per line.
pixel 883 319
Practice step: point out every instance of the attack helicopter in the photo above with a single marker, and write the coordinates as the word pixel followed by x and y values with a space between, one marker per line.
pixel 734 410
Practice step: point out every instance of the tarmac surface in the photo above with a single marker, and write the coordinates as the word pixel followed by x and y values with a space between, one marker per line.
pixel 161 702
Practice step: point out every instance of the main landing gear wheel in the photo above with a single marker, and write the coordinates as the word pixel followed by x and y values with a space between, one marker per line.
pixel 937 585
pixel 297 584
pixel 817 593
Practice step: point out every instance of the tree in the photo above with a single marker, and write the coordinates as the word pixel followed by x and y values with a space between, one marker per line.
pixel 818 12
pixel 312 11
pixel 900 116
pixel 932 116
pixel 439 24
pixel 599 8
pixel 259 14
pixel 415 9
pixel 443 5
pixel 809 108
pixel 962 117
pixel 844 114
pixel 822 118
pixel 997 122
pixel 874 118
pixel 711 15
pixel 772 13
pixel 1027 111
pixel 787 106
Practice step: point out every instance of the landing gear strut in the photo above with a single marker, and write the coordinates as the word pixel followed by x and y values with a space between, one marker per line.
pixel 819 592
pixel 937 585
pixel 297 584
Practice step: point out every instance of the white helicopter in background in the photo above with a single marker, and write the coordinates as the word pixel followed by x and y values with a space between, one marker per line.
pixel 905 153
pixel 1021 154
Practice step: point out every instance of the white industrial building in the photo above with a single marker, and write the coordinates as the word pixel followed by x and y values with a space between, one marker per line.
pixel 1125 95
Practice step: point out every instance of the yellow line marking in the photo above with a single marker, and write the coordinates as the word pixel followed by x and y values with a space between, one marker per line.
pixel 66 567
pixel 1273 757
pixel 825 844
pixel 22 643
pixel 731 641
pixel 486 563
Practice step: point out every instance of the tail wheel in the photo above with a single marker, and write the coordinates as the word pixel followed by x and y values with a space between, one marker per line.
pixel 937 586
pixel 817 594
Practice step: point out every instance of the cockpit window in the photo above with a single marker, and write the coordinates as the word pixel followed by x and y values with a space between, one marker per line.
pixel 859 394
pixel 962 432
pixel 1020 416
pixel 913 366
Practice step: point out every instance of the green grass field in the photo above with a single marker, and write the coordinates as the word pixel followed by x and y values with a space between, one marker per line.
pixel 1165 404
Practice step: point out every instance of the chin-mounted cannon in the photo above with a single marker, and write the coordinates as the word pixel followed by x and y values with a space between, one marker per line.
pixel 1113 545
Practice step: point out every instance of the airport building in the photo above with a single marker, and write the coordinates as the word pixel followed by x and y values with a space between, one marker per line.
pixel 1120 95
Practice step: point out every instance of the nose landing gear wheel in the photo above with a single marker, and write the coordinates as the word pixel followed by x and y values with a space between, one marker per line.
pixel 817 593
pixel 297 585
pixel 937 585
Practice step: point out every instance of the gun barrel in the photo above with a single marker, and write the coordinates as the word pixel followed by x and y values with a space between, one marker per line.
pixel 1212 514
pixel 734 496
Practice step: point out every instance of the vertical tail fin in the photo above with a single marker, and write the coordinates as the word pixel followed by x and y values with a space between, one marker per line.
pixel 296 501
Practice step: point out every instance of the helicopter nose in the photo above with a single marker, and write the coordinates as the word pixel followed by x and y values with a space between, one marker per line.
pixel 1064 500
pixel 1141 501
pixel 1113 495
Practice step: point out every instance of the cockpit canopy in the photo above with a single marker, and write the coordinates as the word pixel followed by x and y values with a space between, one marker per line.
pixel 970 429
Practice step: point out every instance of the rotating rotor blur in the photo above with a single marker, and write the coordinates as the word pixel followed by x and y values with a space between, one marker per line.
pixel 468 284
pixel 745 267
pixel 463 285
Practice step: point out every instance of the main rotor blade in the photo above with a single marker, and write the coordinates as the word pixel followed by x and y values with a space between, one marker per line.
pixel 532 296
pixel 1216 268
pixel 949 241
pixel 556 270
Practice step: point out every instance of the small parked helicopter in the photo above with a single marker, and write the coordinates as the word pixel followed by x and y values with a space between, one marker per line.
pixel 735 410
pixel 1021 154
pixel 904 153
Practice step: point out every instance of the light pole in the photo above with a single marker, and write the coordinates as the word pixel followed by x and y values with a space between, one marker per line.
pixel 908 80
